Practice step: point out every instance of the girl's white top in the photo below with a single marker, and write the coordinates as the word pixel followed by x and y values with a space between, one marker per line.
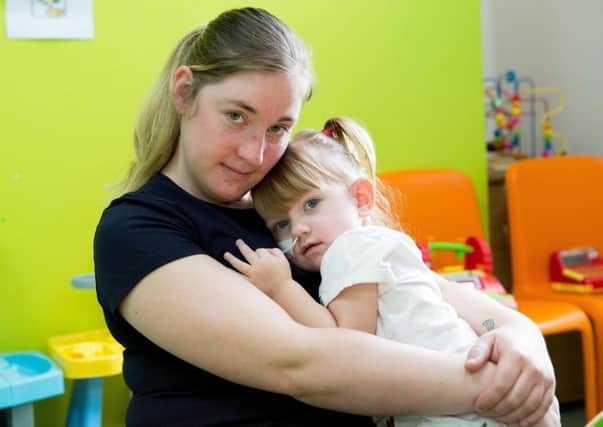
pixel 410 305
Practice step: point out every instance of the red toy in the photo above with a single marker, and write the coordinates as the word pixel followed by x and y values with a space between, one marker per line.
pixel 576 270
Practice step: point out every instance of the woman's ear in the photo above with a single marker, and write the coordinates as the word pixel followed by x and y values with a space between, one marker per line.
pixel 363 191
pixel 182 84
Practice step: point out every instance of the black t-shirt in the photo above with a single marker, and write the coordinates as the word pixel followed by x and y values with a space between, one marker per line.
pixel 138 233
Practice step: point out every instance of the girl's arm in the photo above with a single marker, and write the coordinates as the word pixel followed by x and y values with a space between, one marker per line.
pixel 209 316
pixel 269 271
pixel 354 308
pixel 524 386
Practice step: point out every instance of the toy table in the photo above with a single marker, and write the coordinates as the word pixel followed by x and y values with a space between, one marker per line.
pixel 26 377
pixel 86 357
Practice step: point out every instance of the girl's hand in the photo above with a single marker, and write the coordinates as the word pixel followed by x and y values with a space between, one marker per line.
pixel 522 392
pixel 267 269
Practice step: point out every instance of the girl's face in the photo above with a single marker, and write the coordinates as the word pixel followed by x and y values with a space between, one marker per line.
pixel 316 220
pixel 235 133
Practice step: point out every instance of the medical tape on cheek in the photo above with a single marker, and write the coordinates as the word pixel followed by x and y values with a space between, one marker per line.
pixel 287 246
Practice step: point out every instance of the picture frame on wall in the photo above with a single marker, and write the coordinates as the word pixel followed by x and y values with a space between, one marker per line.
pixel 49 19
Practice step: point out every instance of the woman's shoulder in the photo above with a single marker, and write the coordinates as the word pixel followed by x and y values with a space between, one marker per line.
pixel 162 215
pixel 154 193
pixel 158 193
pixel 161 200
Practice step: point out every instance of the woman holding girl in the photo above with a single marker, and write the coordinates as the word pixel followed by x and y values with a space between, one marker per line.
pixel 202 346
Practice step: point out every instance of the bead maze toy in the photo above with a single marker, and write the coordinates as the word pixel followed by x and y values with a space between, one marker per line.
pixel 26 377
pixel 505 106
pixel 576 270
pixel 476 269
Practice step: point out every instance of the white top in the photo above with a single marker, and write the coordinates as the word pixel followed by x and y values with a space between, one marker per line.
pixel 410 305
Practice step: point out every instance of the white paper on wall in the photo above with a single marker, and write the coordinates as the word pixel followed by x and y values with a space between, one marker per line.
pixel 49 19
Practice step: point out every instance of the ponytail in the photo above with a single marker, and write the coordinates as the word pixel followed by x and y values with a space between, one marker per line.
pixel 356 141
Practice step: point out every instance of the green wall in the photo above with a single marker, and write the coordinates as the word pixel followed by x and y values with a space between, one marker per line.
pixel 408 69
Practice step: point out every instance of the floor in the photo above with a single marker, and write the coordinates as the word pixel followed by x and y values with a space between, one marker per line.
pixel 572 414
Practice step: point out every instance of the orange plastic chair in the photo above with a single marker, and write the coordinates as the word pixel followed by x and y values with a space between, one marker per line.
pixel 440 204
pixel 554 204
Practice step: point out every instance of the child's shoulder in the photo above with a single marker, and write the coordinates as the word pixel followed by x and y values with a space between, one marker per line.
pixel 376 241
pixel 371 237
pixel 376 233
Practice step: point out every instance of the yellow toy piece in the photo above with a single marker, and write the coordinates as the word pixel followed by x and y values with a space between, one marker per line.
pixel 575 288
pixel 87 354
pixel 572 274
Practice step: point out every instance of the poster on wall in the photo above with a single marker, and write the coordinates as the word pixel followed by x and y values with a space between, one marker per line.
pixel 49 19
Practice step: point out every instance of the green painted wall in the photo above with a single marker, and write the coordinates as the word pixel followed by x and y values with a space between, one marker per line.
pixel 408 69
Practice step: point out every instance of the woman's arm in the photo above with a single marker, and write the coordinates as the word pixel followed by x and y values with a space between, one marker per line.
pixel 196 303
pixel 524 385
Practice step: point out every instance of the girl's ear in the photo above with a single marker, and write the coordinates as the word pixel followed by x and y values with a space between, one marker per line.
pixel 363 191
pixel 182 83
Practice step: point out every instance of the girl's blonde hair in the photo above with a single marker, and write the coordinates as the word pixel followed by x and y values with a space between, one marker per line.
pixel 237 40
pixel 339 154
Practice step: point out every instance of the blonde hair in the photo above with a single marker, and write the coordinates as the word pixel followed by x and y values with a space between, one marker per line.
pixel 237 40
pixel 341 153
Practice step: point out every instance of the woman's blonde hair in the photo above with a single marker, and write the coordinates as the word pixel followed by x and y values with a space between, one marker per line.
pixel 340 153
pixel 237 40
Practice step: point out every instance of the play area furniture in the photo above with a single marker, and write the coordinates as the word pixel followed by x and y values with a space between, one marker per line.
pixel 26 377
pixel 86 358
pixel 556 204
pixel 441 204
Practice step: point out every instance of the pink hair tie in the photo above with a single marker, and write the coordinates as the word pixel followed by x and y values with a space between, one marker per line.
pixel 327 132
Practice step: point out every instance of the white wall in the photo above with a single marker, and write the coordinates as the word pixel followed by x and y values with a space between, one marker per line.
pixel 557 43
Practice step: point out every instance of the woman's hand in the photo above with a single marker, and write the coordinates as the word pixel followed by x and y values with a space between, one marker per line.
pixel 524 384
pixel 523 389
pixel 267 269
pixel 552 418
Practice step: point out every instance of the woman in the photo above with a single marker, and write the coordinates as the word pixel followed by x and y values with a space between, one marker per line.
pixel 203 346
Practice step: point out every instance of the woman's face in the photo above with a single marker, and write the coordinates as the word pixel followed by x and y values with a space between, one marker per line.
pixel 235 133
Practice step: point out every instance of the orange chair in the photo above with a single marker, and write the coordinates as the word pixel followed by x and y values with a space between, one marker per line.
pixel 554 204
pixel 440 204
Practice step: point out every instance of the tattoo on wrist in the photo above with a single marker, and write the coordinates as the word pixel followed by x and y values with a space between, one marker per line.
pixel 489 324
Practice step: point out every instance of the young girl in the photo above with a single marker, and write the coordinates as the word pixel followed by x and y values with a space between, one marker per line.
pixel 324 208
